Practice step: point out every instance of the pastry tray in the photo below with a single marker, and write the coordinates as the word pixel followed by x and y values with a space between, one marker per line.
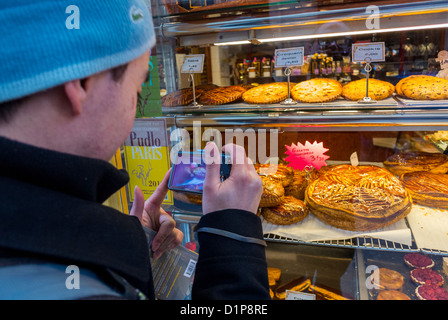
pixel 338 104
pixel 394 261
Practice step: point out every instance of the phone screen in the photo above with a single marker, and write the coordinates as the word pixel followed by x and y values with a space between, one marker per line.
pixel 188 175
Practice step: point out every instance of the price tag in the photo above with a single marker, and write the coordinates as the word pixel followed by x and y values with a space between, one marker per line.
pixel 193 63
pixel 294 295
pixel 301 156
pixel 291 57
pixel 372 52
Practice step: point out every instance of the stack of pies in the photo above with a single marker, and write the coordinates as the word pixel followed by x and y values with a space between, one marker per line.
pixel 267 93
pixel 273 192
pixel 222 95
pixel 298 186
pixel 317 90
pixel 423 87
pixel 378 89
pixel 413 161
pixel 289 211
pixel 277 172
pixel 427 189
pixel 357 198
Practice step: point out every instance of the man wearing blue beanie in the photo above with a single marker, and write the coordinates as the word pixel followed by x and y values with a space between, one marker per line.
pixel 70 73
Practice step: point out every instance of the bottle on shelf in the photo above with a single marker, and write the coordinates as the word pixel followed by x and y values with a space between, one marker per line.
pixel 322 65
pixel 266 67
pixel 315 65
pixel 257 66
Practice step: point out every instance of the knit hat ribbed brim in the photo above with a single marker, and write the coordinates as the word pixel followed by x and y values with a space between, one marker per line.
pixel 45 43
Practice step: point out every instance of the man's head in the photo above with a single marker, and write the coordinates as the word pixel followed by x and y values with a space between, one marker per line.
pixel 69 84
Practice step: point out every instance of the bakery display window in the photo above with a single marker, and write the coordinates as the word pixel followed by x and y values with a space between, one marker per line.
pixel 352 151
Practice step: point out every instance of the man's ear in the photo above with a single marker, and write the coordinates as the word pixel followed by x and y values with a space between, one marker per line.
pixel 76 94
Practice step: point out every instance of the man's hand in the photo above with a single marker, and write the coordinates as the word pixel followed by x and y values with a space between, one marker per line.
pixel 241 190
pixel 151 215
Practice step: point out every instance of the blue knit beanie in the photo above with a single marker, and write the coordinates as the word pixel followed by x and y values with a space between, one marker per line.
pixel 45 43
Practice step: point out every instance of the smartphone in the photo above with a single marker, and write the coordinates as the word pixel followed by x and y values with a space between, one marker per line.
pixel 188 172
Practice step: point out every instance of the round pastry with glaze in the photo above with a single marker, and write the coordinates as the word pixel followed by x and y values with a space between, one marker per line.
pixel 357 198
pixel 427 189
pixel 414 161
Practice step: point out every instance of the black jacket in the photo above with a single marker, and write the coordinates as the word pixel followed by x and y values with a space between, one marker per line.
pixel 51 209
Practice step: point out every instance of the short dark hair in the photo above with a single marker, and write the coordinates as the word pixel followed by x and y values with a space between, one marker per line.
pixel 9 108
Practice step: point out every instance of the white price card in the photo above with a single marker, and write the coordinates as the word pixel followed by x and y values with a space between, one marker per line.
pixel 193 63
pixel 290 57
pixel 371 52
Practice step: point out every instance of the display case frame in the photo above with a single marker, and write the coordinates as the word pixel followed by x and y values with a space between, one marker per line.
pixel 211 28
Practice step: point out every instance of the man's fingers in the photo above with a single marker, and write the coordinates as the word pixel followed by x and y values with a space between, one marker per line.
pixel 167 236
pixel 159 194
pixel 138 205
pixel 212 160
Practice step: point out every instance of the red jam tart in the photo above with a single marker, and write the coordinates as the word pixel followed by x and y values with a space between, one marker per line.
pixel 419 261
pixel 426 276
pixel 431 292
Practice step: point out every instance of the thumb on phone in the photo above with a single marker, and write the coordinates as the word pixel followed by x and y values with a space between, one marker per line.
pixel 212 160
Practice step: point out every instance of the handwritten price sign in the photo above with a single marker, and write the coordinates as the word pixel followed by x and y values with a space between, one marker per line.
pixel 301 156
pixel 372 52
pixel 291 57
pixel 193 63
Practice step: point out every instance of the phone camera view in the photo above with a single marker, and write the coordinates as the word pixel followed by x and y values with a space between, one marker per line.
pixel 188 176
pixel 188 172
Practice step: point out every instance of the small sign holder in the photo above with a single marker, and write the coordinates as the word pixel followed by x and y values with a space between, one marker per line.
pixel 288 101
pixel 287 58
pixel 191 78
pixel 368 53
pixel 367 68
pixel 193 64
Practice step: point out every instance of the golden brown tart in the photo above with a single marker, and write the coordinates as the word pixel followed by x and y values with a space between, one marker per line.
pixel 317 90
pixel 289 211
pixel 267 93
pixel 273 192
pixel 389 279
pixel 413 161
pixel 357 198
pixel 424 88
pixel 403 81
pixel 392 295
pixel 427 189
pixel 378 89
pixel 278 172
pixel 181 97
pixel 222 95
